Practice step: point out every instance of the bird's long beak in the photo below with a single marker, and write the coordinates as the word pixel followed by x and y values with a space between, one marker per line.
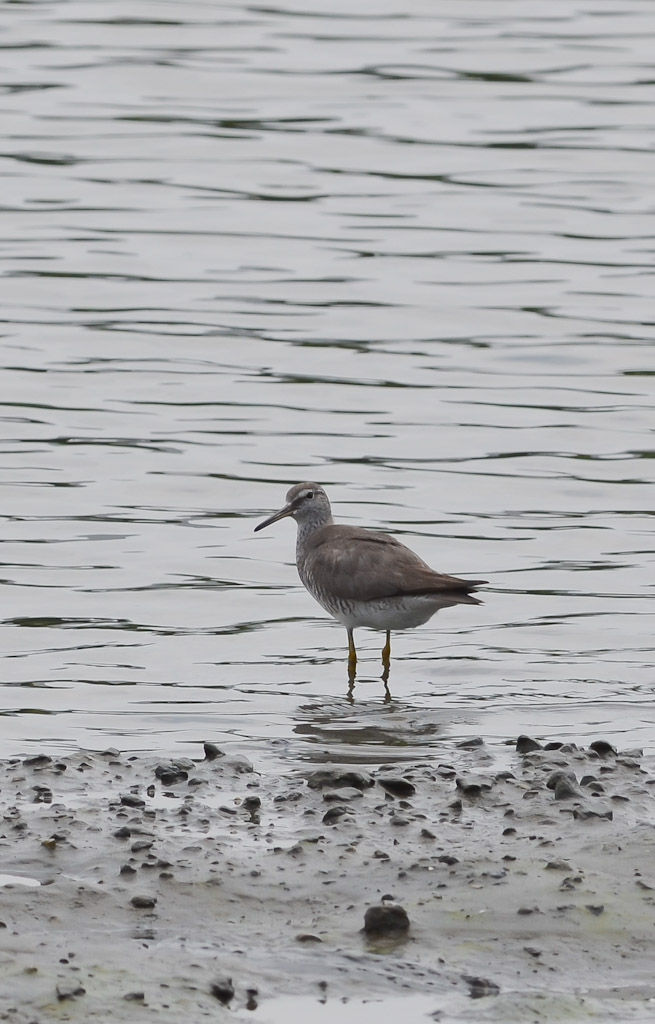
pixel 282 514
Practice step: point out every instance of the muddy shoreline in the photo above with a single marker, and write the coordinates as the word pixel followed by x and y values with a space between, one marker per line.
pixel 138 887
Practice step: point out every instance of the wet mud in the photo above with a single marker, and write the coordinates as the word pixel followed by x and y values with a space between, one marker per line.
pixel 144 888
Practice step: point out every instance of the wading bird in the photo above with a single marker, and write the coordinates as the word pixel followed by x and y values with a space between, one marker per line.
pixel 364 578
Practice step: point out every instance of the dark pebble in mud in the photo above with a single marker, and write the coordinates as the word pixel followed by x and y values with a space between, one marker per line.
pixel 471 744
pixel 252 803
pixel 222 989
pixel 395 785
pixel 564 784
pixel 172 772
pixel 212 751
pixel 602 747
pixel 332 815
pixel 473 785
pixel 173 778
pixel 132 800
pixel 580 814
pixel 37 761
pixel 525 744
pixel 386 919
pixel 134 997
pixel 335 779
pixel 344 795
pixel 143 902
pixel 480 987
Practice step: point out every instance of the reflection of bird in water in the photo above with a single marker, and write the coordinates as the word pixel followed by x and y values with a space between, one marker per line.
pixel 364 578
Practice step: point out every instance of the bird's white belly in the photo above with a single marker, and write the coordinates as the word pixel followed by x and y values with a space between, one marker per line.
pixel 389 613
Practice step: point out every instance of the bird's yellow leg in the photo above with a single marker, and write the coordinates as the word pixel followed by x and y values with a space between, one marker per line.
pixel 386 656
pixel 352 657
pixel 386 651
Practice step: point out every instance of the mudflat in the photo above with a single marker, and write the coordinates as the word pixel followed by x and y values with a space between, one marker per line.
pixel 138 888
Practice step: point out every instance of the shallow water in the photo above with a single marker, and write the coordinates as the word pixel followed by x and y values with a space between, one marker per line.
pixel 407 252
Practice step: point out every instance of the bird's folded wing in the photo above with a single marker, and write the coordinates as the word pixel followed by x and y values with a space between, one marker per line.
pixel 362 565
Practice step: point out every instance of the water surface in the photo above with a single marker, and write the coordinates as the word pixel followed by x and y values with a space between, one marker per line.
pixel 404 250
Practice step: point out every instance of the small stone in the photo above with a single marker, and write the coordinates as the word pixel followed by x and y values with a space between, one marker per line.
pixel 595 908
pixel 471 743
pixel 396 786
pixel 43 795
pixel 307 938
pixel 222 989
pixel 480 987
pixel 558 865
pixel 525 745
pixel 37 761
pixel 532 951
pixel 132 800
pixel 602 748
pixel 347 795
pixel 334 778
pixel 173 772
pixel 333 814
pixel 447 858
pixel 134 997
pixel 386 919
pixel 252 803
pixel 581 814
pixel 564 784
pixel 122 833
pixel 127 869
pixel 170 779
pixel 473 785
pixel 426 834
pixel 212 751
pixel 143 902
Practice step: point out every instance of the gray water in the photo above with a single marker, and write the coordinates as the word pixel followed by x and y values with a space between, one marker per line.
pixel 404 249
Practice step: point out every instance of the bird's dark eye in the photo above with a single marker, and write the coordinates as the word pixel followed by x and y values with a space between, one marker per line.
pixel 310 494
